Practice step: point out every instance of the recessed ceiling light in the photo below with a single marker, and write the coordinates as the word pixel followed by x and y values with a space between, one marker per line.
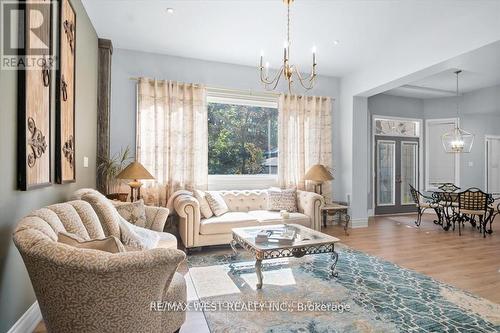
pixel 170 10
pixel 336 42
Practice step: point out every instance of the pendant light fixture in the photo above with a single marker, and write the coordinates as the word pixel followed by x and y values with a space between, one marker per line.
pixel 290 72
pixel 458 140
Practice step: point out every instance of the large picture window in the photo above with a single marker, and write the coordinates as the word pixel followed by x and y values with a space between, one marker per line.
pixel 242 138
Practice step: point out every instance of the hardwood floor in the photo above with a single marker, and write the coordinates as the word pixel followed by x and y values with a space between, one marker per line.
pixel 469 262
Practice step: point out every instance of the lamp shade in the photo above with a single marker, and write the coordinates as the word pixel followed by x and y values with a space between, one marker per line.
pixel 135 170
pixel 318 173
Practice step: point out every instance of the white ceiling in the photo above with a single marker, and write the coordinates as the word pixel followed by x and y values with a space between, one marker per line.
pixel 235 31
pixel 480 69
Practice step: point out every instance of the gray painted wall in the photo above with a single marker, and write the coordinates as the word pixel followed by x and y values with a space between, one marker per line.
pixel 395 106
pixel 479 114
pixel 128 63
pixel 16 293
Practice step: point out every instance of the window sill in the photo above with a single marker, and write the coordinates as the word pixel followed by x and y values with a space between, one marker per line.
pixel 241 182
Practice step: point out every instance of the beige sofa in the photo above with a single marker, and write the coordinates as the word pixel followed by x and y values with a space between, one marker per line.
pixel 85 290
pixel 246 208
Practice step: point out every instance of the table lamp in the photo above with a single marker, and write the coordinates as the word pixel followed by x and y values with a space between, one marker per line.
pixel 135 171
pixel 318 174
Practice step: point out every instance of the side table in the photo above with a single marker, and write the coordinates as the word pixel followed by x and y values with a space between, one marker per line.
pixel 336 209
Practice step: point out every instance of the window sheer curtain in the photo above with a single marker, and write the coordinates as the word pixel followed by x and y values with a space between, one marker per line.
pixel 304 139
pixel 172 137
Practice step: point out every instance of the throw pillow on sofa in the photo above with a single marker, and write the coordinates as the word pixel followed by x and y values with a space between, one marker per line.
pixel 217 203
pixel 205 209
pixel 134 212
pixel 109 244
pixel 282 200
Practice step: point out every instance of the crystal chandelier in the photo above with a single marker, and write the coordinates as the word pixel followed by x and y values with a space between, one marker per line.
pixel 288 71
pixel 457 140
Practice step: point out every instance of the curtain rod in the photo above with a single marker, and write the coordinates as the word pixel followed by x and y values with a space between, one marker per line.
pixel 248 91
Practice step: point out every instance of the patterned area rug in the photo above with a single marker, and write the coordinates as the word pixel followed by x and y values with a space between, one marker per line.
pixel 300 295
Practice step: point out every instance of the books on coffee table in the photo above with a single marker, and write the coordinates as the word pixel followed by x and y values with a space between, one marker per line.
pixel 282 236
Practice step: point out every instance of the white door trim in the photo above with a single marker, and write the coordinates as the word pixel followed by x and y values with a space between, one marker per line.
pixel 487 137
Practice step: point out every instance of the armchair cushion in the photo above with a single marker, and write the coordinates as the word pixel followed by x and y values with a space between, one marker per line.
pixel 134 212
pixel 134 236
pixel 156 217
pixel 109 244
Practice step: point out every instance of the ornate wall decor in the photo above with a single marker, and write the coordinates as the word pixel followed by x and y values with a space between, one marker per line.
pixel 65 104
pixel 69 151
pixel 36 142
pixel 34 100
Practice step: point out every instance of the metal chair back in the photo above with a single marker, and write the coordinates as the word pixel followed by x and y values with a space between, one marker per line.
pixel 448 187
pixel 473 199
pixel 415 195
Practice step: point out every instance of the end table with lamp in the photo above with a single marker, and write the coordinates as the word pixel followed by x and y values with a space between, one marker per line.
pixel 319 174
pixel 135 171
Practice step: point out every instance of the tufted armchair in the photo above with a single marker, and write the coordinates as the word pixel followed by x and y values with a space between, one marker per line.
pixel 85 290
pixel 246 208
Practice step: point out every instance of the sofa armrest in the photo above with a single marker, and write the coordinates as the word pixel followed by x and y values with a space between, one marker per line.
pixel 156 217
pixel 188 209
pixel 309 203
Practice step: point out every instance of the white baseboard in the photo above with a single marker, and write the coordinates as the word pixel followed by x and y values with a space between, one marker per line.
pixel 359 223
pixel 28 320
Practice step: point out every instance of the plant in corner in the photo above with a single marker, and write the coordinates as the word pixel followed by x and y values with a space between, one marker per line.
pixel 109 167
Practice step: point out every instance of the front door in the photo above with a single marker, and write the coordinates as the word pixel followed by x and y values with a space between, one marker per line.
pixel 396 167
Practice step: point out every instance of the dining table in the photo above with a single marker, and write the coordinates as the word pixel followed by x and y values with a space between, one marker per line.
pixel 448 208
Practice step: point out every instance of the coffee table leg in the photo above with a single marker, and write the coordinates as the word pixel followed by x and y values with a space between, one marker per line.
pixel 335 258
pixel 258 271
pixel 233 246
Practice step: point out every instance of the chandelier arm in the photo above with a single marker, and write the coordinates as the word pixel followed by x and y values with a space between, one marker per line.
pixel 287 70
pixel 276 80
pixel 309 80
pixel 266 81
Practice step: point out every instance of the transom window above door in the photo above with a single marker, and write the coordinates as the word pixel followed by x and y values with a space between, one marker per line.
pixel 397 127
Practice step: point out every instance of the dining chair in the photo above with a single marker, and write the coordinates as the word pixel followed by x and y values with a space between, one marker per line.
pixel 473 203
pixel 422 202
pixel 495 211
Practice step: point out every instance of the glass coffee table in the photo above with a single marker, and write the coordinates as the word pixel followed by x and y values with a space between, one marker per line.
pixel 306 241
